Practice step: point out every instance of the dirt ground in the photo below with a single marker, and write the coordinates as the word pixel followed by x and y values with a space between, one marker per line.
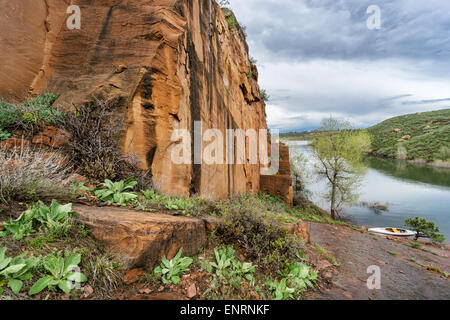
pixel 400 278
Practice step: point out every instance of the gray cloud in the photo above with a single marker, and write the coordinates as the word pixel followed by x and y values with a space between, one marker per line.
pixel 317 57
pixel 425 101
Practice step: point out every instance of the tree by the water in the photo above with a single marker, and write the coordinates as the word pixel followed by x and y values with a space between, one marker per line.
pixel 339 150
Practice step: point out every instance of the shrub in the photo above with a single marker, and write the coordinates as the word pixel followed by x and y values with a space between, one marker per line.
pixel 94 143
pixel 425 228
pixel 264 96
pixel 32 174
pixel 32 115
pixel 232 22
pixel 444 153
pixel 170 271
pixel 257 231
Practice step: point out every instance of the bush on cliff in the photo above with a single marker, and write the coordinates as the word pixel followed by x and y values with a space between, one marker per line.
pixel 94 144
pixel 425 228
pixel 259 232
pixel 30 116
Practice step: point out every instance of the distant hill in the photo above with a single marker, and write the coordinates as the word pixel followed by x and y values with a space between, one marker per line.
pixel 424 135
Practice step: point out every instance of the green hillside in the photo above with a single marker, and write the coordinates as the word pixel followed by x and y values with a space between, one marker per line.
pixel 423 135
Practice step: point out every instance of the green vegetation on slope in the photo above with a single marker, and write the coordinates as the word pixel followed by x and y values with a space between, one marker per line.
pixel 414 136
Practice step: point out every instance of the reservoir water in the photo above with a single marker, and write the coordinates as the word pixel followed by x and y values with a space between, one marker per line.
pixel 407 190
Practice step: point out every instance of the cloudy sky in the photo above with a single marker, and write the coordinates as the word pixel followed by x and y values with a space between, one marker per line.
pixel 318 57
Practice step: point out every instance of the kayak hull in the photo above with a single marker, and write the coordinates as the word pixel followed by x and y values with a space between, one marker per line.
pixel 390 232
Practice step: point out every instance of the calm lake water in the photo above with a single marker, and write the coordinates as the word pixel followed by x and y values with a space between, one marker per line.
pixel 408 190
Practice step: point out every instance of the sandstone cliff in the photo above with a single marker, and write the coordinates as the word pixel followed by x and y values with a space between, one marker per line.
pixel 165 64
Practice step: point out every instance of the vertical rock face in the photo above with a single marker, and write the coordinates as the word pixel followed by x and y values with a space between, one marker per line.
pixel 165 64
pixel 280 184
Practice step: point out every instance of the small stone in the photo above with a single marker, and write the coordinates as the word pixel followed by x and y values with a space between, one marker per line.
pixel 160 289
pixel 145 291
pixel 133 275
pixel 192 291
pixel 88 290
pixel 401 271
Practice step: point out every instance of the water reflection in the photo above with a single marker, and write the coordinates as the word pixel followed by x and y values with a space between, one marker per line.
pixel 407 189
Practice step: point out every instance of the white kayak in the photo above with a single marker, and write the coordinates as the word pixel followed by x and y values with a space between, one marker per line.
pixel 393 232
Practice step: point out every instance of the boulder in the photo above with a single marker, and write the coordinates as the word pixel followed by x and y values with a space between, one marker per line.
pixel 141 239
pixel 299 229
pixel 133 275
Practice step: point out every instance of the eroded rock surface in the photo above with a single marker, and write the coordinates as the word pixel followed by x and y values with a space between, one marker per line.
pixel 141 239
pixel 164 63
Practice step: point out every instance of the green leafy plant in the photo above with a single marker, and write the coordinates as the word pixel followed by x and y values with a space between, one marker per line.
pixel 4 135
pixel 232 23
pixel 264 95
pixel 60 273
pixel 300 276
pixel 296 278
pixel 117 192
pixel 178 204
pixel 14 271
pixel 77 187
pixel 226 266
pixel 229 275
pixel 279 289
pixel 170 271
pixel 20 228
pixel 37 112
pixel 425 228
pixel 54 219
pixel 224 259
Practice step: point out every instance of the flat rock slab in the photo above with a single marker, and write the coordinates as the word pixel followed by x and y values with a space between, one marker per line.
pixel 140 238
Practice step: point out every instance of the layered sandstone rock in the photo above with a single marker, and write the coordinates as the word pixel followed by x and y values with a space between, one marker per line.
pixel 280 184
pixel 164 63
pixel 141 239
